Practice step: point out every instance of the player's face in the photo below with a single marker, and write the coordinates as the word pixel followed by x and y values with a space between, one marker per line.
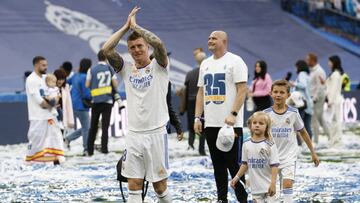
pixel 215 41
pixel 279 94
pixel 41 66
pixel 138 49
pixel 258 126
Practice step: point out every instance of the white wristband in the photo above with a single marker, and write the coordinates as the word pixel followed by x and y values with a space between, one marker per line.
pixel 197 119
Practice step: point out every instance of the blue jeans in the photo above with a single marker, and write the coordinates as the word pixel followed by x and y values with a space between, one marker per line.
pixel 84 130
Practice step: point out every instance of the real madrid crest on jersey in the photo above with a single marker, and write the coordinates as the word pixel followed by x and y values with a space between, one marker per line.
pixel 287 121
pixel 264 152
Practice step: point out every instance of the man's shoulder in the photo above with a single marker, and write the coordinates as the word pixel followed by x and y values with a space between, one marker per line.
pixel 233 56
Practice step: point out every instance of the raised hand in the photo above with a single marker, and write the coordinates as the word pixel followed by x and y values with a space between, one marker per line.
pixel 132 17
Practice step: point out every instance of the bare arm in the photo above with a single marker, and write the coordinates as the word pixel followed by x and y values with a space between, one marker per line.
pixel 242 170
pixel 272 188
pixel 240 173
pixel 241 89
pixel 199 108
pixel 304 134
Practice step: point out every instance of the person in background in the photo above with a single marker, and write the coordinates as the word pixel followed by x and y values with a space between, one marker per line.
pixel 261 86
pixel 101 79
pixel 333 94
pixel 302 84
pixel 65 109
pixel 317 92
pixel 79 93
pixel 67 67
pixel 190 92
pixel 44 135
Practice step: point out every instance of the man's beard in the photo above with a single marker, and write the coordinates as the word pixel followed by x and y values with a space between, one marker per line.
pixel 43 71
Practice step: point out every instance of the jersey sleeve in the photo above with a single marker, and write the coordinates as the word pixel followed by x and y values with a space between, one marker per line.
pixel 240 71
pixel 274 156
pixel 298 124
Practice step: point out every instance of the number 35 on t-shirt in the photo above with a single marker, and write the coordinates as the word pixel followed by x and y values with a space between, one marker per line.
pixel 215 88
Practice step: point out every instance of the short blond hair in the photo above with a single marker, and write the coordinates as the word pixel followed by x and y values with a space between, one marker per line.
pixel 268 122
pixel 283 83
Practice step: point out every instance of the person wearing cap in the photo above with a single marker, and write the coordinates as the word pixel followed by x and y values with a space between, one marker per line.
pixel 222 89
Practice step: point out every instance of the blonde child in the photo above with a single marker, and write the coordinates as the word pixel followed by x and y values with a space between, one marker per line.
pixel 286 122
pixel 51 93
pixel 260 159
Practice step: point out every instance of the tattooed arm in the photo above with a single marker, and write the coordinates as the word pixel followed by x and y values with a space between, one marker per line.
pixel 115 60
pixel 152 39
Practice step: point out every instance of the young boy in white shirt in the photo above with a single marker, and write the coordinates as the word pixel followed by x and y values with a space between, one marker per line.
pixel 286 123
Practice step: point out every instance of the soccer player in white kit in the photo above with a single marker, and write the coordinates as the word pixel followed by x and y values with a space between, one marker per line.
pixel 146 82
pixel 260 158
pixel 286 123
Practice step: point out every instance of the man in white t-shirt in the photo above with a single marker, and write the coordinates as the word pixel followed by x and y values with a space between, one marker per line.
pixel 317 92
pixel 45 138
pixel 146 84
pixel 221 94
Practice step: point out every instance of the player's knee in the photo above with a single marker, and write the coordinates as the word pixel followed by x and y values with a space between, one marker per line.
pixel 160 186
pixel 135 184
pixel 287 183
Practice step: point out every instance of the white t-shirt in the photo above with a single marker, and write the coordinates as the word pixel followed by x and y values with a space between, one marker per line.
pixel 33 85
pixel 218 77
pixel 317 89
pixel 260 157
pixel 284 128
pixel 146 89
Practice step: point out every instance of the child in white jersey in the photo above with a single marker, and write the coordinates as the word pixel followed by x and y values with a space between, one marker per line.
pixel 51 93
pixel 286 123
pixel 260 159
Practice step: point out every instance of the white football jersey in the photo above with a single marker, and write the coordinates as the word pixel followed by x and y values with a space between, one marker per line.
pixel 260 157
pixel 146 90
pixel 284 129
pixel 218 77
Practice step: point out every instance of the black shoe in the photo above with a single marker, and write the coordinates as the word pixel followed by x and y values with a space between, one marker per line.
pixel 191 147
pixel 56 162
pixel 105 151
pixel 202 153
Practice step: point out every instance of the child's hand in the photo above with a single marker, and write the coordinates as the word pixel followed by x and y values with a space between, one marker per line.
pixel 234 181
pixel 315 159
pixel 272 190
